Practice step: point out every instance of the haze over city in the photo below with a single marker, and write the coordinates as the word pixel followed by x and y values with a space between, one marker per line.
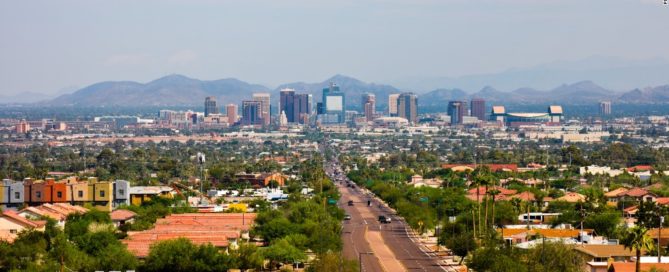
pixel 66 45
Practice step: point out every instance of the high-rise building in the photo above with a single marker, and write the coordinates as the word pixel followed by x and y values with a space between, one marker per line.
pixel 252 113
pixel 407 107
pixel 231 111
pixel 210 106
pixel 265 107
pixel 478 108
pixel 334 105
pixel 392 104
pixel 605 108
pixel 369 106
pixel 22 127
pixel 286 103
pixel 302 104
pixel 457 110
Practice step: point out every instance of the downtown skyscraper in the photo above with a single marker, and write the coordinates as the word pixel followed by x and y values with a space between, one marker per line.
pixel 457 110
pixel 333 105
pixel 296 107
pixel 407 107
pixel 369 106
pixel 265 112
pixel 251 113
pixel 392 104
pixel 287 104
pixel 231 112
pixel 210 106
pixel 478 108
pixel 605 108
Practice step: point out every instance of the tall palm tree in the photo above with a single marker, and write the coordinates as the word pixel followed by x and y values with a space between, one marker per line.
pixel 637 239
pixel 494 192
pixel 484 177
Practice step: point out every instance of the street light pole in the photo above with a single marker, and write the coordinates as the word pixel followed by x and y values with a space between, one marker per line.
pixel 360 258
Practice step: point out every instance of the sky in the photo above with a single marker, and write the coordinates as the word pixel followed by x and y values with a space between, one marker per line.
pixel 56 46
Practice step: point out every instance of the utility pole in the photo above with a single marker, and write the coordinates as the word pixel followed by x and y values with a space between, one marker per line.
pixel 582 217
pixel 201 160
pixel 659 236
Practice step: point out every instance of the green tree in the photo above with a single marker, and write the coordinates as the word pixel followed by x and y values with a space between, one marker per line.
pixel 247 256
pixel 604 223
pixel 182 255
pixel 543 257
pixel 281 251
pixel 637 239
pixel 332 262
pixel 462 244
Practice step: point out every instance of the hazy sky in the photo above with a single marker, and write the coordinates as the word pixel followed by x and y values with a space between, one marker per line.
pixel 49 45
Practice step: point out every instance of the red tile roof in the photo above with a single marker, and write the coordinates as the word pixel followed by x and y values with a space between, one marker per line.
pixel 200 228
pixel 548 233
pixel 631 266
pixel 482 190
pixel 640 168
pixel 12 215
pixel 44 213
pixel 493 167
pixel 662 201
pixel 122 215
pixel 637 192
pixel 525 196
pixel 616 193
pixel 571 197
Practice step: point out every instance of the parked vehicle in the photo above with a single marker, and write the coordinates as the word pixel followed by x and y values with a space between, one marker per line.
pixel 350 202
pixel 347 217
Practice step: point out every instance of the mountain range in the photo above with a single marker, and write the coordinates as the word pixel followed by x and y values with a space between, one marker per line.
pixel 179 90
pixel 619 74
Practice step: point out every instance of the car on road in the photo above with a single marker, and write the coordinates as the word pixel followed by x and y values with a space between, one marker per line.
pixel 350 202
pixel 384 219
pixel 347 217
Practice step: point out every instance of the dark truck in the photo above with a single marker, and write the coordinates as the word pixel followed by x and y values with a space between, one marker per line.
pixel 350 202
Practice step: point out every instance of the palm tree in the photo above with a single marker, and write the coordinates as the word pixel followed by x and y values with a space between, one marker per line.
pixel 637 239
pixel 485 178
pixel 494 192
pixel 516 203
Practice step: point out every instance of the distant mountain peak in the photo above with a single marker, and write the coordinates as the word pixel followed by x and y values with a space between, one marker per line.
pixel 340 79
pixel 173 78
pixel 488 89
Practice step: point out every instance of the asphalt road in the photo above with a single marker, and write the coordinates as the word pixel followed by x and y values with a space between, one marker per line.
pixel 355 243
pixel 396 235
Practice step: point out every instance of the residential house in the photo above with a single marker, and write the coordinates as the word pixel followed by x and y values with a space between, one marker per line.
pixel 11 193
pixel 598 257
pixel 639 194
pixel 121 217
pixel 515 236
pixel 12 223
pixel 260 180
pixel 471 167
pixel 140 194
pixel 480 193
pixel 631 267
pixel 571 197
pixel 222 230
pixel 613 197
pixel 121 193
